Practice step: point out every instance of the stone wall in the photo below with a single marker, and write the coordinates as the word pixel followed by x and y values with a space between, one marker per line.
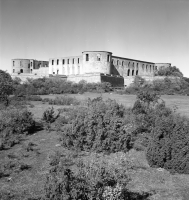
pixel 66 65
pixel 116 81
pixel 96 62
pixel 20 66
pixel 128 67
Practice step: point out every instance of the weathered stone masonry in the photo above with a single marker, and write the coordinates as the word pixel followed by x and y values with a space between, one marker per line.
pixel 91 66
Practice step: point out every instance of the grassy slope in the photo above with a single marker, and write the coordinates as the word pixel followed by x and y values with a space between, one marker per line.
pixel 160 182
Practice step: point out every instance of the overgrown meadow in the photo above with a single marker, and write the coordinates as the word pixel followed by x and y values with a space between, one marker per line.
pixel 64 148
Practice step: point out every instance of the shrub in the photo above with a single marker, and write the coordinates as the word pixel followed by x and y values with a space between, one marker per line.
pixel 169 144
pixel 65 100
pixel 169 71
pixel 6 87
pixel 97 178
pixel 14 123
pixel 100 127
pixel 33 98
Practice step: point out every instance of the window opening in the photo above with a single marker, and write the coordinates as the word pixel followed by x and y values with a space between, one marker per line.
pixel 98 57
pixel 128 72
pixel 87 57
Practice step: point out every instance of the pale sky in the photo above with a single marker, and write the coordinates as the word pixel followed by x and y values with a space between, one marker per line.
pixel 149 30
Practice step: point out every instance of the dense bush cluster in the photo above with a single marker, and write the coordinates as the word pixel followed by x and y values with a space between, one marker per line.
pixel 169 71
pixel 96 179
pixel 100 127
pixel 13 124
pixel 43 86
pixel 6 87
pixel 63 100
pixel 168 85
pixel 167 133
pixel 169 144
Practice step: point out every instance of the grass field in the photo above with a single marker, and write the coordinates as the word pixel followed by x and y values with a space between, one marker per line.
pixel 181 103
pixel 160 183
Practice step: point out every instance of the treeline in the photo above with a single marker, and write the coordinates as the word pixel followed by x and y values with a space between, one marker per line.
pixel 44 86
pixel 165 86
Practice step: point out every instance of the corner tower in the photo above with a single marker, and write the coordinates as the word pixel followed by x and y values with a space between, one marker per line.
pixel 96 62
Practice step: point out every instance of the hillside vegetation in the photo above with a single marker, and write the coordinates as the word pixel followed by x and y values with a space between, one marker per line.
pixel 91 149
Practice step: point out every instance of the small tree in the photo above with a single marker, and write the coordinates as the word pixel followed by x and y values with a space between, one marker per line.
pixel 6 87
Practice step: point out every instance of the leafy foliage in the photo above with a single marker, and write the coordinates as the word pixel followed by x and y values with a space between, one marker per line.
pixel 43 86
pixel 6 87
pixel 169 144
pixel 101 127
pixel 14 123
pixel 63 100
pixel 169 71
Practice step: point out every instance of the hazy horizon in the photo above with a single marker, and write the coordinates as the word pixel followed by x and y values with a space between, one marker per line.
pixel 150 30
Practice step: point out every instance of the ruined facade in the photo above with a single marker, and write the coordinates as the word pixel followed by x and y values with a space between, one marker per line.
pixel 95 66
pixel 91 66
pixel 30 66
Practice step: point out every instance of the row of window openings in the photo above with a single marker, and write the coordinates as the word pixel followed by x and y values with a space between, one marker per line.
pixel 21 63
pixel 21 71
pixel 154 67
pixel 98 57
pixel 63 61
pixel 67 71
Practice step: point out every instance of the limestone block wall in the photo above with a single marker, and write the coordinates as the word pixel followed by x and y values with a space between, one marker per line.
pixel 20 65
pixel 90 78
pixel 66 65
pixel 42 71
pixel 129 67
pixel 96 62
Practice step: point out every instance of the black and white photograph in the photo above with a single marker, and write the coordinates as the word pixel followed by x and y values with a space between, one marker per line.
pixel 94 99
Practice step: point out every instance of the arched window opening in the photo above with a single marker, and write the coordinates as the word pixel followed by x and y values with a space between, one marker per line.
pixel 52 62
pixel 21 70
pixel 117 62
pixel 146 67
pixel 128 64
pixel 133 65
pixel 133 71
pixel 128 72
pixel 68 61
pixel 122 63
pixel 57 62
pixel 13 63
pixel 136 72
pixel 73 60
pixel 63 61
pixel 150 68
